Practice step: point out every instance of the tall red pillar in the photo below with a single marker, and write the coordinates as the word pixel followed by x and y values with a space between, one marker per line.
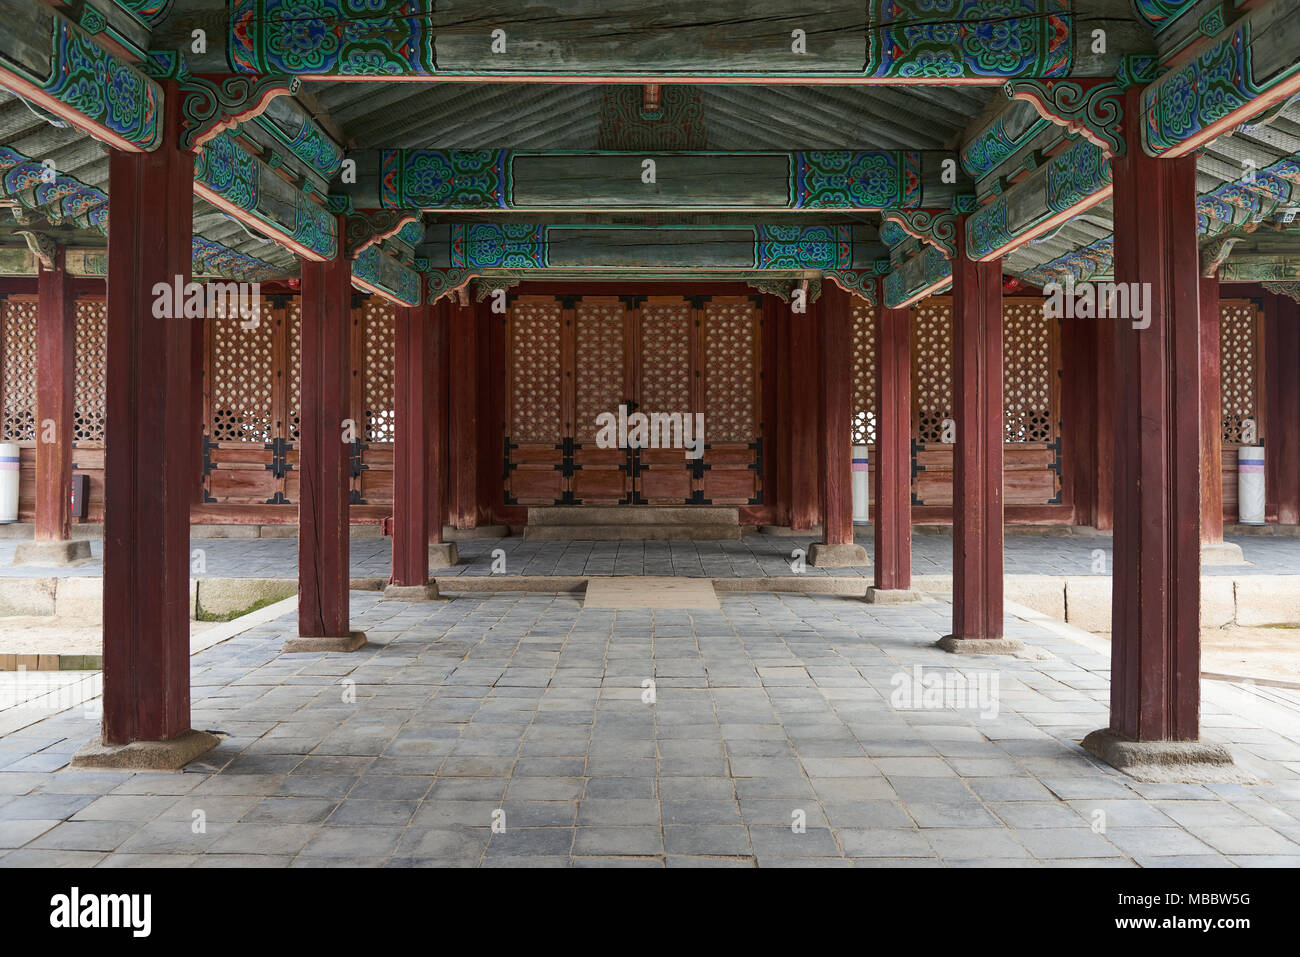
pixel 1283 419
pixel 441 555
pixel 325 434
pixel 892 511
pixel 803 455
pixel 463 426
pixel 56 331
pixel 148 462
pixel 416 380
pixel 977 456
pixel 837 547
pixel 1214 550
pixel 1155 615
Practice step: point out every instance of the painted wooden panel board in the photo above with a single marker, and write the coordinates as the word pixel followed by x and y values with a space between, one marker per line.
pixel 625 37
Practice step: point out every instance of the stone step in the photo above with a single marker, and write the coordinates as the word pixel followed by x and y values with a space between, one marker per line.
pixel 630 533
pixel 652 515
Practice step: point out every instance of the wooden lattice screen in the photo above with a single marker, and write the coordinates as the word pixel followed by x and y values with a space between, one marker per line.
pixel 864 373
pixel 730 338
pixel 253 401
pixel 1241 357
pixel 1028 372
pixel 18 369
pixel 931 368
pixel 379 370
pixel 91 347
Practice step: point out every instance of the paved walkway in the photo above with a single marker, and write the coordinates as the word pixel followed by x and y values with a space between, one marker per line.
pixel 754 556
pixel 533 712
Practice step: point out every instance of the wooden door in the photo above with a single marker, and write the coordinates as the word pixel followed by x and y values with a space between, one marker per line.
pixel 573 359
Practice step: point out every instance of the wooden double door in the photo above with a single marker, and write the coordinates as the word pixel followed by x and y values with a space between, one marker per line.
pixel 569 360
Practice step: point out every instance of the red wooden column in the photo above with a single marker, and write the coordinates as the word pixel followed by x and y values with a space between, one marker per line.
pixel 1155 613
pixel 977 456
pixel 835 391
pixel 464 409
pixel 1283 424
pixel 324 436
pixel 56 331
pixel 804 359
pixel 440 555
pixel 1214 550
pixel 148 463
pixel 414 375
pixel 892 507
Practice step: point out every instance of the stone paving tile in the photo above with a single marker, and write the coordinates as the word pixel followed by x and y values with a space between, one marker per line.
pixel 526 711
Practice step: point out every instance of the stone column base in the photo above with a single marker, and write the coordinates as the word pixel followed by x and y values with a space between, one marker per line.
pixel 1174 762
pixel 821 555
pixel 428 592
pixel 146 755
pixel 52 553
pixel 349 642
pixel 891 596
pixel 1221 553
pixel 980 646
pixel 443 555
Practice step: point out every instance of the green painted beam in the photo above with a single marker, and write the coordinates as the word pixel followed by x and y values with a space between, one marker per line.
pixel 564 180
pixel 863 41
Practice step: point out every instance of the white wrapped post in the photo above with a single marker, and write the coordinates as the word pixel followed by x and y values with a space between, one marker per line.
pixel 861 489
pixel 8 482
pixel 1250 485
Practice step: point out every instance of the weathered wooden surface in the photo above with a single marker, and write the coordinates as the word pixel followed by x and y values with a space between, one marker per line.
pixel 149 465
pixel 55 390
pixel 413 459
pixel 323 536
pixel 892 517
pixel 1155 666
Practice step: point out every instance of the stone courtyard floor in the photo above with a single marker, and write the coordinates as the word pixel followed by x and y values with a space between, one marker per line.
pixel 529 711
pixel 757 556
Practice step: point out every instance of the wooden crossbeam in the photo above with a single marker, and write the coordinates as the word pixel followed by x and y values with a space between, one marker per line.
pixel 770 41
pixel 648 181
pixel 1250 66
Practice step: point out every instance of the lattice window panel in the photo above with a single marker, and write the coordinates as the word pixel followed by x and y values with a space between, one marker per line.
pixel 599 365
pixel 730 329
pixel 666 357
pixel 535 372
pixel 1238 358
pixel 293 359
pixel 380 332
pixel 932 366
pixel 1027 372
pixel 91 372
pixel 18 371
pixel 864 373
pixel 243 380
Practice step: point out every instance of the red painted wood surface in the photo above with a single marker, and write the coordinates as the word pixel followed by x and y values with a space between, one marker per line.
pixel 1079 417
pixel 1155 617
pixel 323 533
pixel 1104 474
pixel 1284 426
pixel 892 516
pixel 464 417
pixel 149 442
pixel 804 493
pixel 1211 414
pixel 56 331
pixel 437 414
pixel 977 472
pixel 836 431
pixel 414 381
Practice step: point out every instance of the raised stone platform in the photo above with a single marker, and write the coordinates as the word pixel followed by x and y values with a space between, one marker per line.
pixel 625 523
